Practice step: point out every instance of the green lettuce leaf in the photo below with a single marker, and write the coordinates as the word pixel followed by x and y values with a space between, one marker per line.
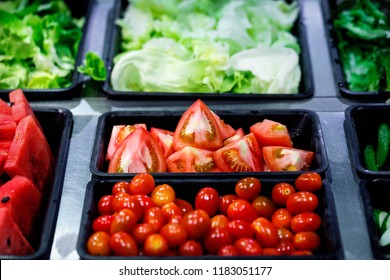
pixel 93 66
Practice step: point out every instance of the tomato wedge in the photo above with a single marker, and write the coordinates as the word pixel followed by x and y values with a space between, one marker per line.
pixel 242 155
pixel 138 153
pixel 226 129
pixel 197 128
pixel 164 138
pixel 271 133
pixel 190 159
pixel 237 135
pixel 118 134
pixel 279 158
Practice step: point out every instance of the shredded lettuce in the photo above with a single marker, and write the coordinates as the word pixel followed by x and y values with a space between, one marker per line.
pixel 93 66
pixel 240 46
pixel 38 44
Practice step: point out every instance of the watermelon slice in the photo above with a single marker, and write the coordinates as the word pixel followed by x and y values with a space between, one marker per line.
pixel 30 155
pixel 22 198
pixel 5 108
pixel 12 241
pixel 4 148
pixel 7 126
pixel 20 107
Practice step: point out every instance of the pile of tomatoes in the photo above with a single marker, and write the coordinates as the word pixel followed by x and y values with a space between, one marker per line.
pixel 140 218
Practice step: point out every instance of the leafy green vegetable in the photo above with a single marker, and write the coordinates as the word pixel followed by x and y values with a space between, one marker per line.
pixel 363 31
pixel 208 46
pixel 93 67
pixel 38 44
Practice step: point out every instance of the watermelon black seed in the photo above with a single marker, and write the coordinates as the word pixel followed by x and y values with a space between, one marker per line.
pixel 8 241
pixel 5 199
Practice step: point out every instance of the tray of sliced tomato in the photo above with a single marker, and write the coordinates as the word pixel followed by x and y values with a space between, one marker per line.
pixel 203 142
pixel 244 217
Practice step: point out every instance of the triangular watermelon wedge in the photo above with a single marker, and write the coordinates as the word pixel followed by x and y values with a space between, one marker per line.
pixel 5 108
pixel 30 155
pixel 7 126
pixel 12 241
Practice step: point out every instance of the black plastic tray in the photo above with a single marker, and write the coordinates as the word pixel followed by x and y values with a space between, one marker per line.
pixel 329 8
pixel 375 194
pixel 361 128
pixel 306 88
pixel 187 189
pixel 78 9
pixel 303 125
pixel 57 125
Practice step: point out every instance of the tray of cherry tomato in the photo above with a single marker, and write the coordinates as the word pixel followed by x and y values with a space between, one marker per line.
pixel 203 142
pixel 244 217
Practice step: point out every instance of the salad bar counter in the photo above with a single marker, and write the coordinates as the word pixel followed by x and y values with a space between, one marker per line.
pixel 330 124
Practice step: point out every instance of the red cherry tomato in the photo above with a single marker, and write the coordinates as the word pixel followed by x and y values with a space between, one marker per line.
pixel 216 238
pixel 191 248
pixel 145 202
pixel 124 220
pixel 228 250
pixel 156 245
pixel 285 247
pixel 123 244
pixel 219 221
pixel 301 202
pixel 142 231
pixel 155 217
pixel 280 192
pixel 142 183
pixel 225 201
pixel 248 188
pixel 281 218
pixel 207 199
pixel 285 234
pixel 301 253
pixel 306 240
pixel 271 252
pixel 248 247
pixel 265 232
pixel 240 228
pixel 174 234
pixel 121 186
pixel 264 206
pixel 185 206
pixel 105 205
pixel 102 223
pixel 171 209
pixel 308 221
pixel 241 209
pixel 163 194
pixel 98 244
pixel 309 181
pixel 176 219
pixel 197 224
pixel 124 200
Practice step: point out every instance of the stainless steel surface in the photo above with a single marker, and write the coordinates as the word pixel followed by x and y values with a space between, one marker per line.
pixel 326 102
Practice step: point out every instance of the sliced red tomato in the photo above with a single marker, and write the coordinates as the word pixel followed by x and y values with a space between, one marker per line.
pixel 243 155
pixel 226 129
pixel 198 128
pixel 118 134
pixel 190 159
pixel 279 158
pixel 138 153
pixel 271 133
pixel 237 135
pixel 164 138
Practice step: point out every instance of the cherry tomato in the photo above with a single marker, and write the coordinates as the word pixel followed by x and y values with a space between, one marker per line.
pixel 265 232
pixel 285 234
pixel 228 250
pixel 174 234
pixel 264 206
pixel 121 186
pixel 124 220
pixel 219 221
pixel 191 248
pixel 309 181
pixel 306 240
pixel 105 205
pixel 216 238
pixel 142 183
pixel 124 200
pixel 280 192
pixel 145 202
pixel 240 228
pixel 155 217
pixel 142 231
pixel 98 244
pixel 248 188
pixel 163 194
pixel 281 218
pixel 123 244
pixel 184 205
pixel 176 219
pixel 171 209
pixel 248 247
pixel 197 224
pixel 301 253
pixel 207 199
pixel 301 202
pixel 225 201
pixel 285 247
pixel 271 252
pixel 241 209
pixel 308 221
pixel 156 245
pixel 102 223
